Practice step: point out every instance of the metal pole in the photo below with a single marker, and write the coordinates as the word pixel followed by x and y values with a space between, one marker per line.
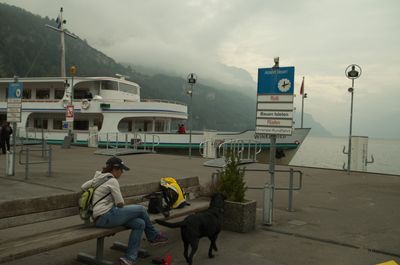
pixel 63 72
pixel 302 109
pixel 27 164
pixel 272 151
pixel 290 202
pixel 351 125
pixel 269 189
pixel 191 122
pixel 14 147
pixel 268 204
pixel 71 104
pixel 41 121
pixel 50 157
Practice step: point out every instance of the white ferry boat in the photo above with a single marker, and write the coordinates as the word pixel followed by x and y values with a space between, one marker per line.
pixel 109 110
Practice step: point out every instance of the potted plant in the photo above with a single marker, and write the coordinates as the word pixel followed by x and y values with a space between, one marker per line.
pixel 239 213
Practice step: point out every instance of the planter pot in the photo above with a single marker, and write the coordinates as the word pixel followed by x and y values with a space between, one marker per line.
pixel 240 216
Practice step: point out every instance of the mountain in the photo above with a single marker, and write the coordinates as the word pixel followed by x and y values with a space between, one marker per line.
pixel 29 49
pixel 308 122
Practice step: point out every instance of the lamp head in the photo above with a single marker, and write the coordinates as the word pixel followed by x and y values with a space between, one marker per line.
pixel 191 78
pixel 350 89
pixel 72 70
pixel 353 73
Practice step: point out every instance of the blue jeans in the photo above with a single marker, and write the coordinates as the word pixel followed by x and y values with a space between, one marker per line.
pixel 134 217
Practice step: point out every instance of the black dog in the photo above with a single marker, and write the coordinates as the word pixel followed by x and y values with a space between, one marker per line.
pixel 206 223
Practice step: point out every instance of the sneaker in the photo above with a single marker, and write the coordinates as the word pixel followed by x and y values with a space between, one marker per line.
pixel 125 261
pixel 159 239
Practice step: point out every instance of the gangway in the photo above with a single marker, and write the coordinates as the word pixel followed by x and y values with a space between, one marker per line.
pixel 245 149
pixel 117 144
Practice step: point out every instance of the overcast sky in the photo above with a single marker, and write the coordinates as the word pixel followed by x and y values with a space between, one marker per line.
pixel 319 37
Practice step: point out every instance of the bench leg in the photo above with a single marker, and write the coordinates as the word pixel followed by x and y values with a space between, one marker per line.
pixel 98 259
pixel 142 253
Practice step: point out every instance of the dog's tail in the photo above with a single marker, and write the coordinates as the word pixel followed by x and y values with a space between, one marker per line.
pixel 170 225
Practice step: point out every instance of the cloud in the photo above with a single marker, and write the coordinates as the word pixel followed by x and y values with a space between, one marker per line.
pixel 320 37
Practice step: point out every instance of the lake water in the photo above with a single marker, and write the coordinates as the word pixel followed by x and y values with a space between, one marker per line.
pixel 326 152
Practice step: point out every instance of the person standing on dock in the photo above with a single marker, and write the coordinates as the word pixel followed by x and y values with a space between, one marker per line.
pixel 6 131
pixel 181 129
pixel 110 210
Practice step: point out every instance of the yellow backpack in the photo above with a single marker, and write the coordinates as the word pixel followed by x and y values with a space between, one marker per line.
pixel 173 193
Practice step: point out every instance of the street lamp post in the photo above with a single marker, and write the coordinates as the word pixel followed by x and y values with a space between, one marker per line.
pixel 72 71
pixel 352 72
pixel 191 78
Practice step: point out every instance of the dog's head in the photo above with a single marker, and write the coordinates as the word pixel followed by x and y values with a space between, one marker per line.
pixel 217 201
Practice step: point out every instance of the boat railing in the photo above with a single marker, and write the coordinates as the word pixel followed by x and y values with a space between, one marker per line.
pixel 41 100
pixel 163 101
pixel 26 136
pixel 203 145
pixel 244 149
pixel 128 140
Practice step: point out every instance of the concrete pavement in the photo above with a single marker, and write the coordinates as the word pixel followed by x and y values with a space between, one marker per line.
pixel 337 219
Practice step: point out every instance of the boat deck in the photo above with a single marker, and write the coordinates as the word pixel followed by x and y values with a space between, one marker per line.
pixel 122 152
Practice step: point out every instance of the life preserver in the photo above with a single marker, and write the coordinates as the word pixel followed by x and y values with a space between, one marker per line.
pixel 85 104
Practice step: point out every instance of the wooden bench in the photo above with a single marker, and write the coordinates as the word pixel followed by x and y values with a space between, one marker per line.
pixel 17 213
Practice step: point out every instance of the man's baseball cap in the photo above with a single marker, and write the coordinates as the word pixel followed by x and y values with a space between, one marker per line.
pixel 116 162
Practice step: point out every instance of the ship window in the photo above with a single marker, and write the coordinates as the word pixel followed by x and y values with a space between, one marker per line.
pixel 82 125
pixel 58 93
pixel 159 126
pixel 128 88
pixel 109 85
pixel 42 94
pixel 123 126
pixel 81 93
pixel 57 124
pixel 37 123
pixel 143 125
pixel 27 93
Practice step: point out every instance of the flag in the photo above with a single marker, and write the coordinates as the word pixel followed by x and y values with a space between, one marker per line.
pixel 302 87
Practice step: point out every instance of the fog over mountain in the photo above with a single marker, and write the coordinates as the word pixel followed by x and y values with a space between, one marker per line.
pixel 209 37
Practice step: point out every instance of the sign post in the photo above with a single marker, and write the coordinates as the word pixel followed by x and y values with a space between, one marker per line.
pixel 69 112
pixel 274 117
pixel 14 105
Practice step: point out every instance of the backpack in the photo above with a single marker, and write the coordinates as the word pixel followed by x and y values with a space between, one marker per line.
pixel 173 193
pixel 85 200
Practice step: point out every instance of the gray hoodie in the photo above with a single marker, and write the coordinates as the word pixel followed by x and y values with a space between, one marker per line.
pixel 110 187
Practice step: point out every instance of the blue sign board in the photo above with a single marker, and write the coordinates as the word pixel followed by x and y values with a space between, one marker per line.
pixel 278 80
pixel 15 90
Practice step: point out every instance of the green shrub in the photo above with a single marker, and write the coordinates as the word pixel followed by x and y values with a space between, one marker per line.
pixel 231 180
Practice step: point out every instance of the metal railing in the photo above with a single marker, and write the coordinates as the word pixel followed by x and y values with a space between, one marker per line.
pixel 290 188
pixel 26 153
pixel 241 148
pixel 116 140
pixel 163 101
pixel 30 136
pixel 269 189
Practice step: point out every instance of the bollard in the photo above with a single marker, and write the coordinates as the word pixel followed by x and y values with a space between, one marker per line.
pixel 9 164
pixel 268 205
